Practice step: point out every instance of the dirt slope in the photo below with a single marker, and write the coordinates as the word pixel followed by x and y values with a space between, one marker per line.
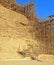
pixel 14 31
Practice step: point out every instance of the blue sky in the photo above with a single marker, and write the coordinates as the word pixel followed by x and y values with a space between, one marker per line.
pixel 43 8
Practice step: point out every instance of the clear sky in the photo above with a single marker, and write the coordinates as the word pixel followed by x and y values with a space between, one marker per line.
pixel 43 8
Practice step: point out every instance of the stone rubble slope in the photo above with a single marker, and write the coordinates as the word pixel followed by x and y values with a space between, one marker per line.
pixel 14 32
